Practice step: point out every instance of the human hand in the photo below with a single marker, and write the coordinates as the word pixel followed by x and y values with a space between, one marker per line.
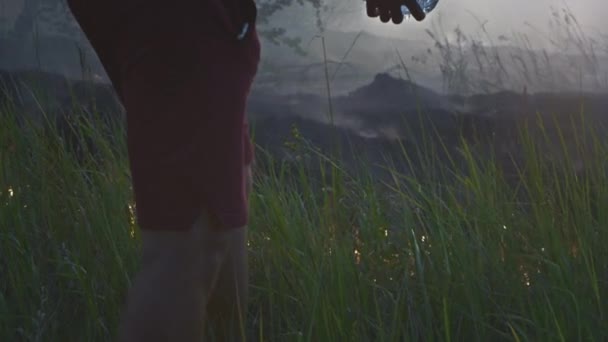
pixel 391 9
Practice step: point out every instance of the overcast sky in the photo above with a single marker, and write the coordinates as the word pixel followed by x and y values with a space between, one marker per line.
pixel 503 16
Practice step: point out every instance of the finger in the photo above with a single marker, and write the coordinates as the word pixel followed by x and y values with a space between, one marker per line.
pixel 397 14
pixel 372 8
pixel 414 8
pixel 385 14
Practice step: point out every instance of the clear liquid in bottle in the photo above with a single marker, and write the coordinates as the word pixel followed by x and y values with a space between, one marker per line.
pixel 426 5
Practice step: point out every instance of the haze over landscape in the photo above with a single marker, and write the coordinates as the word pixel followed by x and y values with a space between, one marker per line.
pixel 376 70
pixel 529 25
pixel 463 48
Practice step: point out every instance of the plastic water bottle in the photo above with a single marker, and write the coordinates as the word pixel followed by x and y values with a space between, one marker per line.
pixel 426 5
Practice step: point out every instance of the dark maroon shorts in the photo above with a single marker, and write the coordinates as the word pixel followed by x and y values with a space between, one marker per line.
pixel 184 82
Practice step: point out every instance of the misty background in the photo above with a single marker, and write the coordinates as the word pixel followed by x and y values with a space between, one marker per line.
pixel 41 34
pixel 481 65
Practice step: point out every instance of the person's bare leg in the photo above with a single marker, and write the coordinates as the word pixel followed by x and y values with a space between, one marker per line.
pixel 169 294
pixel 227 305
pixel 180 273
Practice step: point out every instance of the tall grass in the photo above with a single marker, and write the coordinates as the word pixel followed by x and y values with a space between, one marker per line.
pixel 566 58
pixel 455 251
pixel 443 256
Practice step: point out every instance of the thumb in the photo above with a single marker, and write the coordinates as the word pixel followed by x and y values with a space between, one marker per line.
pixel 415 9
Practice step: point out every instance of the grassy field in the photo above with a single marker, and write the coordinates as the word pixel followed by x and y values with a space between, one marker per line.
pixel 346 259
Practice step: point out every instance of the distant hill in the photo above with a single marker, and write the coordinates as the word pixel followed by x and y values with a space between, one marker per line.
pixel 375 119
pixel 34 92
